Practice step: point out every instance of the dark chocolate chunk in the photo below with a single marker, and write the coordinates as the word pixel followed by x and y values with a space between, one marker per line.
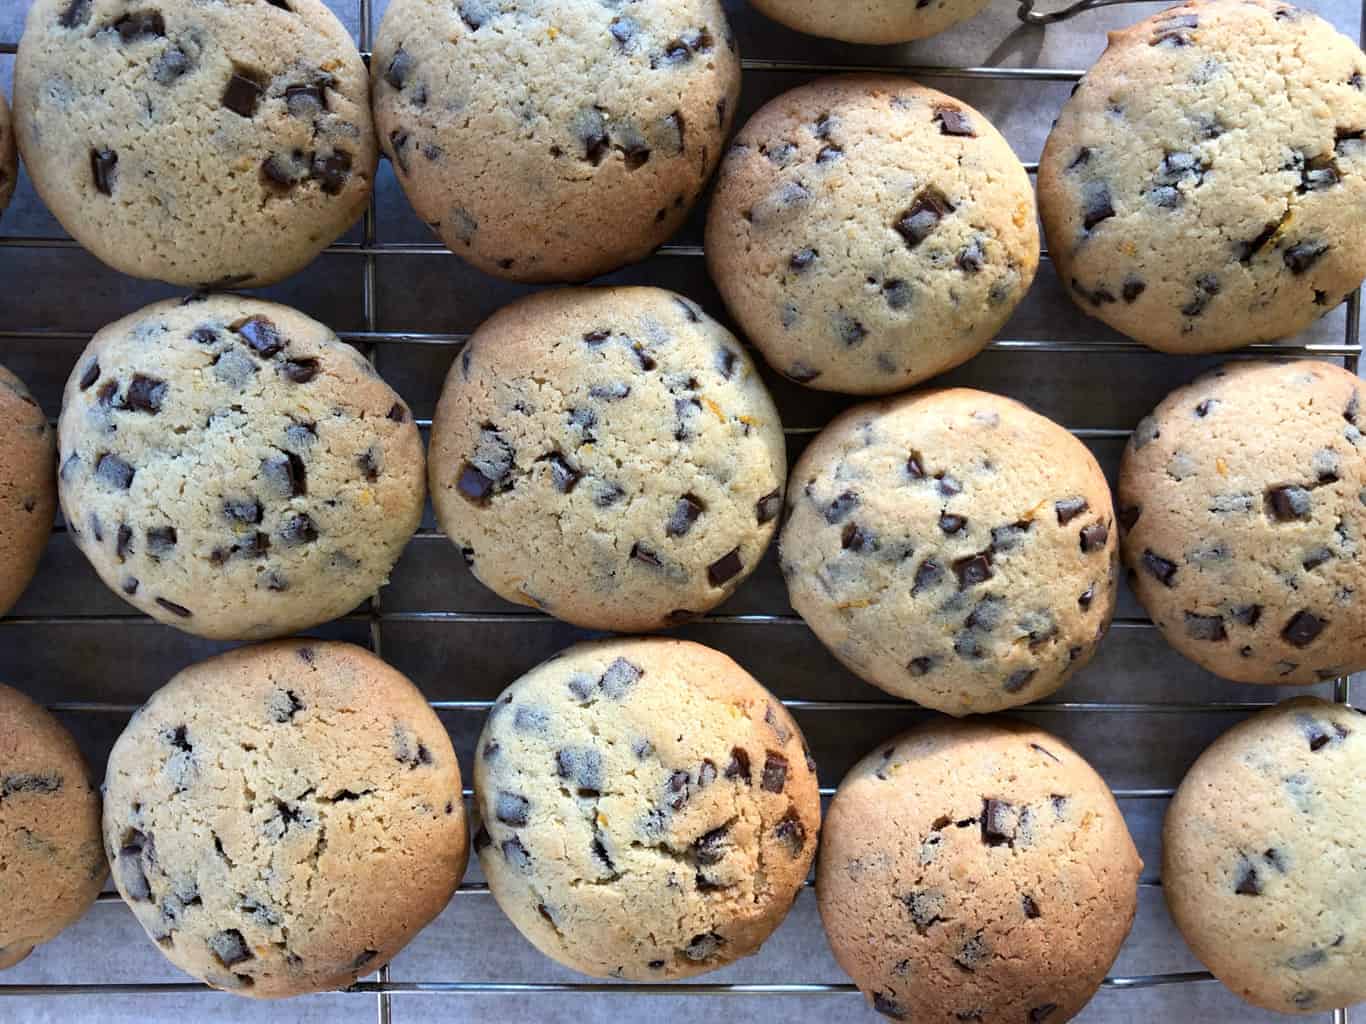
pixel 1030 907
pixel 74 14
pixel 112 470
pixel 766 509
pixel 1069 508
pixel 1205 627
pixel 1288 503
pixel 242 95
pixel 738 768
pixel 1303 628
pixel 123 543
pixel 563 475
pixel 703 947
pixel 685 513
pixel 725 568
pixel 91 374
pixel 774 777
pixel 583 765
pixel 474 485
pixel 829 154
pixel 950 523
pixel 840 507
pixel 1094 537
pixel 512 809
pixel 953 121
pixel 1299 258
pixel 103 164
pixel 128 868
pixel 301 371
pixel 400 67
pixel 927 575
pixel 1248 883
pixel 144 394
pixel 920 666
pixel 1159 568
pixel 999 822
pixel 619 677
pixel 972 570
pixel 175 609
pixel 260 334
pixel 1019 679
pixel 298 529
pixel 929 207
pixel 972 258
pixel 802 258
pixel 1095 204
pixel 887 1006
pixel 140 25
pixel 1039 1014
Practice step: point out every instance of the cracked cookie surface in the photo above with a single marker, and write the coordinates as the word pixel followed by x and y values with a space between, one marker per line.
pixel 610 456
pixel 870 21
pixel 868 233
pixel 952 547
pixel 1243 497
pixel 649 810
pixel 51 859
pixel 554 141
pixel 1205 187
pixel 1263 850
pixel 976 872
pixel 232 469
pixel 283 819
pixel 9 156
pixel 203 144
pixel 28 486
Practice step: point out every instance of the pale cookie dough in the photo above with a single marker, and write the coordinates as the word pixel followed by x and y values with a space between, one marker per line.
pixel 650 811
pixel 1264 857
pixel 217 144
pixel 870 21
pixel 868 233
pixel 1243 497
pixel 51 859
pixel 232 469
pixel 952 547
pixel 976 872
pixel 28 486
pixel 9 157
pixel 610 456
pixel 1205 187
pixel 554 141
pixel 283 819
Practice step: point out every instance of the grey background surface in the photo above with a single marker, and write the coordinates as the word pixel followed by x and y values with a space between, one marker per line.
pixel 1139 712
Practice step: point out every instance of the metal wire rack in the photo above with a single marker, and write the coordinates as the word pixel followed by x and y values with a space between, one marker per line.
pixel 375 340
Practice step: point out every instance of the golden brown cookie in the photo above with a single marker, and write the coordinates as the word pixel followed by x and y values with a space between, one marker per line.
pixel 28 486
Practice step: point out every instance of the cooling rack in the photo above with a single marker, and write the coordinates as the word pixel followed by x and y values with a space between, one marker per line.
pixel 840 716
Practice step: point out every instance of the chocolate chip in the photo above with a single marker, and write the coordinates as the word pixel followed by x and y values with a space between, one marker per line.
pixel 139 25
pixel 725 362
pixel 1132 288
pixel 144 394
pixel 948 486
pixel 703 947
pixel 1299 258
pixel 242 95
pixel 774 777
pixel 128 867
pixel 953 121
pixel 950 523
pixel 1248 883
pixel 1069 508
pixel 1094 537
pixel 287 474
pixel 840 507
pixel 724 568
pixel 766 509
pixel 512 809
pixel 400 67
pixel 584 766
pixel 1019 679
pixel 563 475
pixel 1159 568
pixel 1288 503
pixel 113 471
pixel 516 854
pixel 103 165
pixel 801 373
pixel 685 513
pixel 972 570
pixel 915 466
pixel 929 207
pixel 640 553
pixel 1039 1014
pixel 91 374
pixel 927 575
pixel 298 529
pixel 920 666
pixel 260 334
pixel 1095 204
pixel 74 14
pixel 829 154
pixel 307 101
pixel 999 822
pixel 332 170
pixel 301 371
pixel 619 678
pixel 738 768
pixel 889 1007
pixel 1303 628
pixel 972 258
pixel 1205 627
pixel 175 609
pixel 1206 287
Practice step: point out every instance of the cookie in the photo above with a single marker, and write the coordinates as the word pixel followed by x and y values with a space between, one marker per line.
pixel 554 142
pixel 870 21
pixel 28 486
pixel 9 157
pixel 231 469
pixel 1205 187
pixel 203 144
pixel 609 456
pixel 976 872
pixel 1262 856
pixel 51 859
pixel 649 810
pixel 868 233
pixel 1243 497
pixel 283 819
pixel 952 547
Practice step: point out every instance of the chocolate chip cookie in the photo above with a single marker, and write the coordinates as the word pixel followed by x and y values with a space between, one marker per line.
pixel 1205 186
pixel 649 810
pixel 1262 857
pixel 952 547
pixel 203 144
pixel 868 233
pixel 51 859
pixel 1244 500
pixel 232 469
pixel 554 142
pixel 870 21
pixel 610 456
pixel 9 157
pixel 28 486
pixel 283 819
pixel 976 872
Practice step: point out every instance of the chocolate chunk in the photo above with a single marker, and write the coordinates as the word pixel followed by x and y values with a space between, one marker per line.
pixel 563 475
pixel 74 14
pixel 584 766
pixel 123 544
pixel 332 171
pixel 307 101
pixel 139 25
pixel 856 539
pixel 242 95
pixel 948 486
pixel 1288 503
pixel 1069 508
pixel 474 485
pixel 738 768
pixel 1206 287
pixel 725 362
pixel 1095 204
pixel 927 575
pixel 287 474
pixel 260 334
pixel 829 154
pixel 175 609
pixel 766 509
pixel 849 331
pixel 144 394
pixel 703 947
pixel 1019 679
pixel 801 373
pixel 999 822
pixel 685 513
pixel 1303 628
pixel 950 523
pixel 1299 258
pixel 920 666
pixel 1205 627
pixel 677 790
pixel 1039 1014
pixel 725 568
pixel 161 540
pixel 802 259
pixel 619 678
pixel 953 121
pixel 1132 288
pixel 1031 908
pixel 972 258
pixel 972 570
pixel 929 207
pixel 774 777
pixel 1009 537
pixel 1248 883
pixel 640 553
pixel 301 371
pixel 516 854
pixel 512 809
pixel 113 471
pixel 840 508
pixel 1094 537
pixel 298 529
pixel 128 867
pixel 230 948
pixel 1159 568
pixel 889 1007
pixel 400 67
pixel 91 374
pixel 103 164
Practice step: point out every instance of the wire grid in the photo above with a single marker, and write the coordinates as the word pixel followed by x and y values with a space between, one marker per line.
pixel 373 340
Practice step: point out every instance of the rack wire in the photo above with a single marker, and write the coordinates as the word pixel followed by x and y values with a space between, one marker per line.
pixel 374 340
